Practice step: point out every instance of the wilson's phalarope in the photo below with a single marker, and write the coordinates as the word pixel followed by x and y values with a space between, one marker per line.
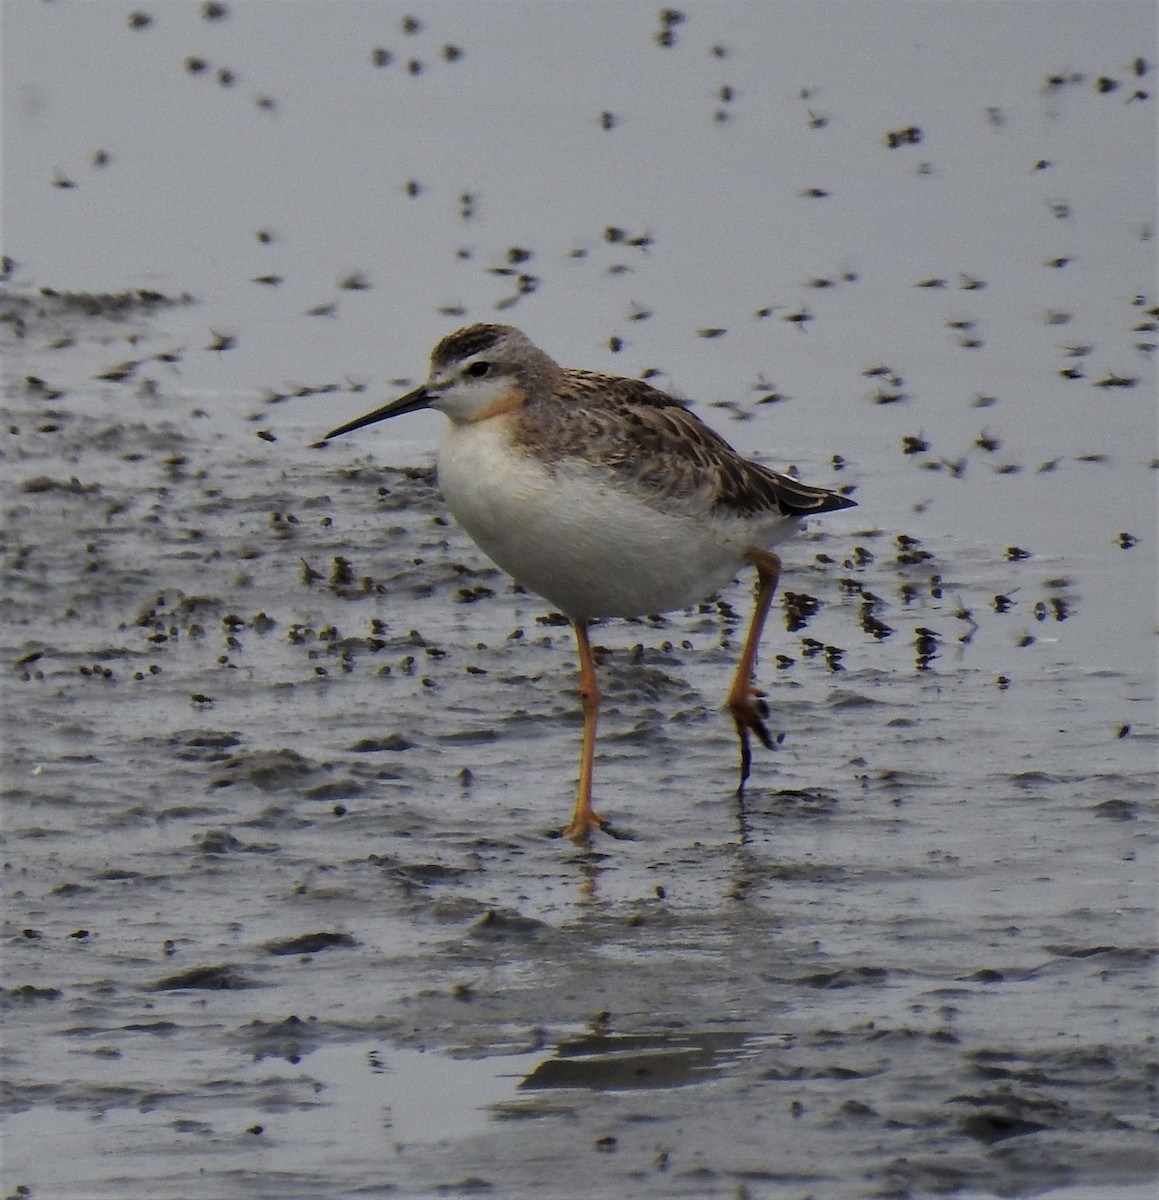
pixel 606 497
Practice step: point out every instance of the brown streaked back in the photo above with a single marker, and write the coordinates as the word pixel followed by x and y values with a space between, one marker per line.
pixel 644 436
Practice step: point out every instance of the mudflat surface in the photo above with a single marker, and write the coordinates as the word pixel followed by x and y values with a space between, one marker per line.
pixel 288 762
pixel 286 912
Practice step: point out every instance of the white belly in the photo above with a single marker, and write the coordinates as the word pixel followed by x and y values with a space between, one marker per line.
pixel 591 549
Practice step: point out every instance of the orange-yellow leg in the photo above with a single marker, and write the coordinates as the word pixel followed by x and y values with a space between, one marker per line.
pixel 585 820
pixel 744 702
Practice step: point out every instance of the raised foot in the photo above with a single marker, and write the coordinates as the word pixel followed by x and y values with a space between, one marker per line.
pixel 748 714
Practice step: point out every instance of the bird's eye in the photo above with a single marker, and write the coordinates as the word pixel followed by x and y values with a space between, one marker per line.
pixel 478 369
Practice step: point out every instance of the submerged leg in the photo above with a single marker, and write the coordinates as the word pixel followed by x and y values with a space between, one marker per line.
pixel 584 820
pixel 748 711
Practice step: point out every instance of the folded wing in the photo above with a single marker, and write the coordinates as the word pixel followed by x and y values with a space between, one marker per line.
pixel 641 434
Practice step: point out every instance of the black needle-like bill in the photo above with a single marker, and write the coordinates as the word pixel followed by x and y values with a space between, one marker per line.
pixel 414 401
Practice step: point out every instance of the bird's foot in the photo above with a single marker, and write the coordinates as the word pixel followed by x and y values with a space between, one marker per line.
pixel 748 714
pixel 584 823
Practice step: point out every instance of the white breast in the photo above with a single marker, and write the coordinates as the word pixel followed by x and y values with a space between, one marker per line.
pixel 571 535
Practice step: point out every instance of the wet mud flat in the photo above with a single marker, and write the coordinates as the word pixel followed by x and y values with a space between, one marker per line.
pixel 286 909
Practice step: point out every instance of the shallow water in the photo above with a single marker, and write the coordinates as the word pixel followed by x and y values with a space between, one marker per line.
pixel 286 909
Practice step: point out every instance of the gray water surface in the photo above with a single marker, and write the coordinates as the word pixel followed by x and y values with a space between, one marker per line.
pixel 286 760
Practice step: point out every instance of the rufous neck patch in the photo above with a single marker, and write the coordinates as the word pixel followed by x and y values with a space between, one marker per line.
pixel 511 401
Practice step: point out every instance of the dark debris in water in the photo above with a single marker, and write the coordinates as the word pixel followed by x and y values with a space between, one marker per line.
pixel 225 977
pixel 311 943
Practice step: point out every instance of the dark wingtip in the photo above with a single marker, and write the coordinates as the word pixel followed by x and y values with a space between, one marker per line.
pixel 802 500
pixel 837 501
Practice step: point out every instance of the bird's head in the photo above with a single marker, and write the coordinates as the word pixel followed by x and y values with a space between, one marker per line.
pixel 476 373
